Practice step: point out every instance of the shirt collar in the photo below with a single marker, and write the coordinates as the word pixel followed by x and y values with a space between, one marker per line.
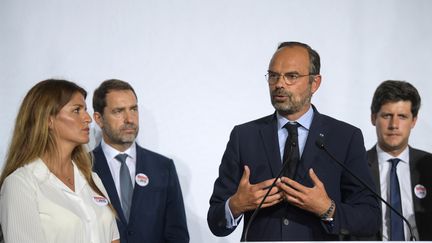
pixel 79 179
pixel 305 120
pixel 39 170
pixel 384 156
pixel 43 174
pixel 111 152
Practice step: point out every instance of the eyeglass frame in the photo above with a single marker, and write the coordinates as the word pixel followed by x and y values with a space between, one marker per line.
pixel 289 78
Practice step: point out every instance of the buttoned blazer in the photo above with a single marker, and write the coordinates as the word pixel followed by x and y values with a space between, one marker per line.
pixel 420 163
pixel 157 210
pixel 255 144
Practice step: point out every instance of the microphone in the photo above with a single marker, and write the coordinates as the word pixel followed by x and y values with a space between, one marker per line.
pixel 320 144
pixel 281 172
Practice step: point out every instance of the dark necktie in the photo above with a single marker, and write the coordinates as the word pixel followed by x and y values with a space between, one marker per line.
pixel 396 222
pixel 126 188
pixel 291 146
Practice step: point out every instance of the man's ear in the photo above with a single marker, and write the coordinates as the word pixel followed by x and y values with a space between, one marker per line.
pixel 98 117
pixel 373 119
pixel 315 83
pixel 414 121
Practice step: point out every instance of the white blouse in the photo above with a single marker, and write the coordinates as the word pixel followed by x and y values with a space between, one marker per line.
pixel 36 207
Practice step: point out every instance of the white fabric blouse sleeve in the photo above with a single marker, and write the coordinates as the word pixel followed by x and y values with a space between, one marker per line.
pixel 19 216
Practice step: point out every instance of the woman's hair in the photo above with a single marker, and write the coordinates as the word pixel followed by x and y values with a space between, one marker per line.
pixel 32 138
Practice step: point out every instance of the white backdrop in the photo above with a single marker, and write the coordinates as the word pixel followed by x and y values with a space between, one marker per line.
pixel 198 67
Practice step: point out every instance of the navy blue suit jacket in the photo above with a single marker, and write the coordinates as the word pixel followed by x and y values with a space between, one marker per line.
pixel 157 210
pixel 420 163
pixel 256 144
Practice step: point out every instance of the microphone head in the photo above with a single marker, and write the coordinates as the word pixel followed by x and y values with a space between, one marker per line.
pixel 320 141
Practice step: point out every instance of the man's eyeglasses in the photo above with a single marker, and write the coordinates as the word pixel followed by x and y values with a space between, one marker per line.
pixel 289 78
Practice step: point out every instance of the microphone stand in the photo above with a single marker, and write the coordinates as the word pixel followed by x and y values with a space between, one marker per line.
pixel 320 145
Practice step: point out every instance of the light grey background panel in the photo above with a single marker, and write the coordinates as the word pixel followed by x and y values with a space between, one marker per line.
pixel 198 67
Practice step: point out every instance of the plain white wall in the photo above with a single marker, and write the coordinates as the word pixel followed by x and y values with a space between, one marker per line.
pixel 198 67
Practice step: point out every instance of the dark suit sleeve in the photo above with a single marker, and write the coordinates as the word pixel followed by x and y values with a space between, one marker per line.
pixel 175 218
pixel 225 186
pixel 358 212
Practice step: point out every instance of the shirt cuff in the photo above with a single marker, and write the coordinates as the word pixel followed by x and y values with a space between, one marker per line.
pixel 231 221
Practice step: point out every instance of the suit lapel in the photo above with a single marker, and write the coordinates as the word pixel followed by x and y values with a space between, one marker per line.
pixel 415 177
pixel 138 192
pixel 269 138
pixel 310 151
pixel 102 169
pixel 373 165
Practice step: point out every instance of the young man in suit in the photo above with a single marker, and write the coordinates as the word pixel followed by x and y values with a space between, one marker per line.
pixel 142 185
pixel 394 111
pixel 315 199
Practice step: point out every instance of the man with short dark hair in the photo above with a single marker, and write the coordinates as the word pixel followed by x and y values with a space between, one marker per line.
pixel 394 111
pixel 142 185
pixel 315 199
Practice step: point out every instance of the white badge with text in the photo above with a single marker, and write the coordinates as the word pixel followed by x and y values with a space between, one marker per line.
pixel 420 191
pixel 100 201
pixel 141 179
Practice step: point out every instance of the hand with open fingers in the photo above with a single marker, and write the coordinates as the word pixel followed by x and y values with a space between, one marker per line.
pixel 249 196
pixel 313 199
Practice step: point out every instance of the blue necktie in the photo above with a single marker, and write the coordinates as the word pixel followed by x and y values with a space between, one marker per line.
pixel 126 188
pixel 396 222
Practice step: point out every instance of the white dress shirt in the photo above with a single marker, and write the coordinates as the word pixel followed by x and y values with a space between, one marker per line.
pixel 304 121
pixel 404 177
pixel 114 165
pixel 36 207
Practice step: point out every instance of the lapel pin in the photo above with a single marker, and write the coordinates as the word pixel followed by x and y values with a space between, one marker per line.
pixel 420 191
pixel 100 201
pixel 142 179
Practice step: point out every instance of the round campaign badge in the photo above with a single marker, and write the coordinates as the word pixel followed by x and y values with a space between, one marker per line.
pixel 100 201
pixel 420 191
pixel 141 179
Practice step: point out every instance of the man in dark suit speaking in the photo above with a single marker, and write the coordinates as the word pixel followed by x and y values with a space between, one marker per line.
pixel 143 186
pixel 394 110
pixel 316 199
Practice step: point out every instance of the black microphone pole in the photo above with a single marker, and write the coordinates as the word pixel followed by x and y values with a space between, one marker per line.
pixel 320 143
pixel 269 189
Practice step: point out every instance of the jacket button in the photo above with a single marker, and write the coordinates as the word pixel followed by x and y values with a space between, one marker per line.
pixel 130 232
pixel 285 221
